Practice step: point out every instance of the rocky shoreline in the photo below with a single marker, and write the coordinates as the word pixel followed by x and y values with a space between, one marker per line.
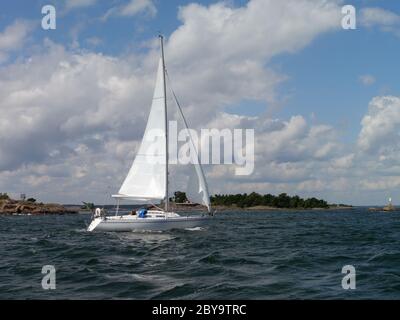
pixel 19 207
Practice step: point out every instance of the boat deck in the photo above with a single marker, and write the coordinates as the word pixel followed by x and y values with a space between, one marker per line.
pixel 152 214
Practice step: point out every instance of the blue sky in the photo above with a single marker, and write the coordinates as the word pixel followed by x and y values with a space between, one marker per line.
pixel 313 79
pixel 324 77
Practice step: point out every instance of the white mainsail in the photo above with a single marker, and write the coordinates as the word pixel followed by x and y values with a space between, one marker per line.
pixel 146 179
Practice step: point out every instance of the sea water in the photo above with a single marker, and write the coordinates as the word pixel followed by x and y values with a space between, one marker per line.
pixel 240 255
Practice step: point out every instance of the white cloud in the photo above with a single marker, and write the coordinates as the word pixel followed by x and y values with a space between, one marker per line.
pixel 381 125
pixel 223 31
pixel 367 79
pixel 72 121
pixel 377 16
pixel 75 118
pixel 384 19
pixel 74 4
pixel 13 37
pixel 344 162
pixel 223 50
pixel 63 99
pixel 383 183
pixel 133 8
pixel 138 6
pixel 296 157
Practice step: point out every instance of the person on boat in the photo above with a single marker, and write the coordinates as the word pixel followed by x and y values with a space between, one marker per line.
pixel 142 213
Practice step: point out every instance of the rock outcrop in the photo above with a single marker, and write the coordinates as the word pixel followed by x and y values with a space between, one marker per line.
pixel 12 207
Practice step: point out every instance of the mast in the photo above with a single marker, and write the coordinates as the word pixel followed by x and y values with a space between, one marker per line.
pixel 166 124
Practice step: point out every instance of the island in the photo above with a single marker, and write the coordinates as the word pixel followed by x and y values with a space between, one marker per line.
pixel 180 203
pixel 254 202
pixel 10 206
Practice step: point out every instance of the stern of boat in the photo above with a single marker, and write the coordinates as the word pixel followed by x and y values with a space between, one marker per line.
pixel 93 225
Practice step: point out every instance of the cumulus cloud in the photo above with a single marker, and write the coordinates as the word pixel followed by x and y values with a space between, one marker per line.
pixel 76 118
pixel 295 140
pixel 285 151
pixel 298 157
pixel 72 120
pixel 57 99
pixel 380 184
pixel 381 125
pixel 13 37
pixel 223 50
pixel 133 8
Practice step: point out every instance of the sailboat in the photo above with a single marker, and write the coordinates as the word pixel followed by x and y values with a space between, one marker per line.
pixel 148 178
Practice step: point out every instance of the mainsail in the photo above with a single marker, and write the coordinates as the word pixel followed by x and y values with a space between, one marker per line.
pixel 146 179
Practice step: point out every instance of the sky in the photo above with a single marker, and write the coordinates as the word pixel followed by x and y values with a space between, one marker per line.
pixel 324 102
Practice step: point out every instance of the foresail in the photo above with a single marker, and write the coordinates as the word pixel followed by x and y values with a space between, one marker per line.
pixel 147 177
pixel 203 187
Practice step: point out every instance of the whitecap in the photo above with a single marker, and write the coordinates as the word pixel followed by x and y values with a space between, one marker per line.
pixel 195 229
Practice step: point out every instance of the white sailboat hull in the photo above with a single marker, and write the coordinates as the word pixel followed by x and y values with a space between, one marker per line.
pixel 133 223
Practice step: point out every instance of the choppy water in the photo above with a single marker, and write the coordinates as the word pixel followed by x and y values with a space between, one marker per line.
pixel 257 255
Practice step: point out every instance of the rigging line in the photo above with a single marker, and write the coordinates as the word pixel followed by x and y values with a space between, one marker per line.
pixel 149 155
pixel 190 135
pixel 157 207
pixel 181 112
pixel 106 196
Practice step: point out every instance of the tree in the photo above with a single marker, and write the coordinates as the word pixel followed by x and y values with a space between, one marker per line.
pixel 4 196
pixel 254 199
pixel 180 197
pixel 87 205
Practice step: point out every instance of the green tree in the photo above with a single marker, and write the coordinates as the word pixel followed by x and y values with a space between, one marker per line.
pixel 254 199
pixel 180 197
pixel 4 196
pixel 87 206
